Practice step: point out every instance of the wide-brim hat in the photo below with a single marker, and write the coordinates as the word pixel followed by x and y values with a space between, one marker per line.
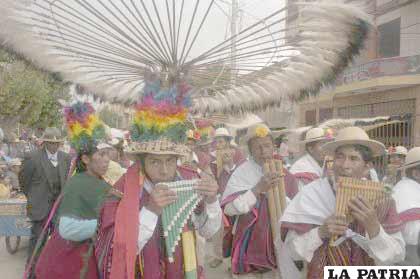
pixel 317 134
pixel 223 132
pixel 158 147
pixel 398 150
pixel 412 159
pixel 259 130
pixel 51 134
pixel 114 142
pixel 354 136
pixel 103 145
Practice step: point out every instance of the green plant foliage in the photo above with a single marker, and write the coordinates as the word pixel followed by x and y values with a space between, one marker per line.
pixel 27 95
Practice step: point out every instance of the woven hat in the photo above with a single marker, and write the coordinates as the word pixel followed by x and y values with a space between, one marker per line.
pixel 259 130
pixel 86 131
pixel 160 123
pixel 318 134
pixel 412 159
pixel 51 134
pixel 354 136
pixel 223 132
pixel 397 150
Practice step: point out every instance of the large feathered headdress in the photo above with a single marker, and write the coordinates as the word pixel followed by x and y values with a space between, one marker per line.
pixel 107 45
pixel 160 122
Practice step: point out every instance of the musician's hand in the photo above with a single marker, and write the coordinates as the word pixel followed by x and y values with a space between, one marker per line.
pixel 160 197
pixel 365 214
pixel 333 225
pixel 208 187
pixel 267 182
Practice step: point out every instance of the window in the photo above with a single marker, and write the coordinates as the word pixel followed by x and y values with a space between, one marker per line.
pixel 389 38
pixel 325 114
pixel 310 117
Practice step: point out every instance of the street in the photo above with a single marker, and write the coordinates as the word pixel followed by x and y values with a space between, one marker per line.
pixel 12 266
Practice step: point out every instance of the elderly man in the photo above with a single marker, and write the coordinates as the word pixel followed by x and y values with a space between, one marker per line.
pixel 310 166
pixel 43 176
pixel 407 197
pixel 311 222
pixel 130 241
pixel 253 246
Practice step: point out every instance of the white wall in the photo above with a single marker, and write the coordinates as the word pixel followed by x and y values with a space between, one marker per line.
pixel 410 23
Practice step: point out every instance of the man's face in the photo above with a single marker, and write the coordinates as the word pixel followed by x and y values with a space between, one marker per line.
pixel 98 163
pixel 316 151
pixel 221 142
pixel 261 149
pixel 396 159
pixel 113 154
pixel 52 147
pixel 206 148
pixel 348 162
pixel 160 168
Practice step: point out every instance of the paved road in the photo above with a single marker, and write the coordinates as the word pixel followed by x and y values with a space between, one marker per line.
pixel 12 266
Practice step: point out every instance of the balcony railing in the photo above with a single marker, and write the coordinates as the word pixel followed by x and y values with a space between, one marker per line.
pixel 394 66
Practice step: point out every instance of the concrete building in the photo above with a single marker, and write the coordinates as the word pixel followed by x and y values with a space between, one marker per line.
pixel 383 81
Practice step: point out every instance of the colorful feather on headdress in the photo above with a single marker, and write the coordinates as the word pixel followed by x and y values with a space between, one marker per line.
pixel 85 129
pixel 162 113
pixel 205 129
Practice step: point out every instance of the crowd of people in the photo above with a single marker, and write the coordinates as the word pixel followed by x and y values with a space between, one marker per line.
pixel 83 204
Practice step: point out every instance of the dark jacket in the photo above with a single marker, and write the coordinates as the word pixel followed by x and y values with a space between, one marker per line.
pixel 42 183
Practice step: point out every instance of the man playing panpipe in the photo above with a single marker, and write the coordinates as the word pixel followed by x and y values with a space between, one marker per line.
pixel 130 241
pixel 310 166
pixel 228 159
pixel 246 198
pixel 407 196
pixel 373 237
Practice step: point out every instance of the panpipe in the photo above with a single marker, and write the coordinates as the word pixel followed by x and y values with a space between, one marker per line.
pixel 176 215
pixel 276 196
pixel 349 188
pixel 220 153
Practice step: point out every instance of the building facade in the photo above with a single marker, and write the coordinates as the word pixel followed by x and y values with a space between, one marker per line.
pixel 383 81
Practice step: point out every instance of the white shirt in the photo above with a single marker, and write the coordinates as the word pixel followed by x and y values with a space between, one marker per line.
pixel 313 205
pixel 52 157
pixel 244 178
pixel 207 223
pixel 306 164
pixel 407 196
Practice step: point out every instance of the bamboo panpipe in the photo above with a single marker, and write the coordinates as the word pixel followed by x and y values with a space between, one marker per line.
pixel 220 153
pixel 349 188
pixel 276 196
pixel 176 215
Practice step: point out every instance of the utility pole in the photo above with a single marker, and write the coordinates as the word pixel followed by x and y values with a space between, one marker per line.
pixel 233 32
